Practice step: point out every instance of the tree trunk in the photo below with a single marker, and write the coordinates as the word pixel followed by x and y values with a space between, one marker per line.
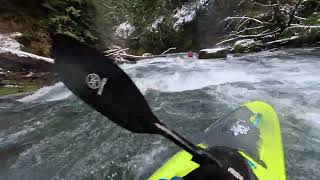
pixel 293 12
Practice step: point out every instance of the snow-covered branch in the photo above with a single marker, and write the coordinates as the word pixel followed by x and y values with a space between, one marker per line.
pixel 264 5
pixel 299 26
pixel 166 51
pixel 245 17
pixel 285 40
pixel 242 24
pixel 227 27
pixel 248 29
pixel 257 3
pixel 265 33
pixel 261 35
pixel 227 41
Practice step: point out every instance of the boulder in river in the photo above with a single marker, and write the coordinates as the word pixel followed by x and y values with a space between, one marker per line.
pixel 147 55
pixel 245 45
pixel 213 53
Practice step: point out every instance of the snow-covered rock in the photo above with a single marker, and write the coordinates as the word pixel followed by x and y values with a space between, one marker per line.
pixel 8 41
pixel 183 15
pixel 244 45
pixel 2 73
pixel 11 55
pixel 188 12
pixel 147 54
pixel 180 16
pixel 245 42
pixel 156 24
pixel 213 53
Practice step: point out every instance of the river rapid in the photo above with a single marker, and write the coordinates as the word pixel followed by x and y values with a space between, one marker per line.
pixel 53 135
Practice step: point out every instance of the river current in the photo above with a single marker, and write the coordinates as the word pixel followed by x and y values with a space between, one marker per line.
pixel 53 135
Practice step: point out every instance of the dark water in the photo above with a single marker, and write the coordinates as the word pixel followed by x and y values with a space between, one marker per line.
pixel 53 135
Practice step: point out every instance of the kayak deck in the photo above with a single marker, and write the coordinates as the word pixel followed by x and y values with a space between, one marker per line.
pixel 253 129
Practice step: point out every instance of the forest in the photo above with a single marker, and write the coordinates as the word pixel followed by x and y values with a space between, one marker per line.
pixel 154 26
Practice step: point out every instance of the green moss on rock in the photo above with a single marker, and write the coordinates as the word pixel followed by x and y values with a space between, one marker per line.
pixel 8 90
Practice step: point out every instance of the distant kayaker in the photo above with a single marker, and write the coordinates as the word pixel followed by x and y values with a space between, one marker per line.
pixel 190 54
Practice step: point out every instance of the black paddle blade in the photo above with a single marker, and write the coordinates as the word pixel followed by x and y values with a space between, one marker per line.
pixel 99 82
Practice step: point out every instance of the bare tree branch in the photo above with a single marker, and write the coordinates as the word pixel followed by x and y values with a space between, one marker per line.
pixel 243 23
pixel 248 29
pixel 243 1
pixel 300 18
pixel 166 51
pixel 299 26
pixel 295 16
pixel 228 25
pixel 285 40
pixel 226 41
pixel 245 17
pixel 115 51
pixel 261 36
pixel 257 3
pixel 264 5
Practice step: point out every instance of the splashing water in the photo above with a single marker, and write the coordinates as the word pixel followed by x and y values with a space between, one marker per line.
pixel 53 135
pixel 52 93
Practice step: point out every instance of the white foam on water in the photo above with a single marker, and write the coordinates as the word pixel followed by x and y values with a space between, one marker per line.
pixel 143 161
pixel 313 118
pixel 290 84
pixel 174 74
pixel 180 74
pixel 297 78
pixel 51 93
pixel 13 138
pixel 182 81
pixel 288 81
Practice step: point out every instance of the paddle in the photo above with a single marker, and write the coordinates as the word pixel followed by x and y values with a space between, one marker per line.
pixel 99 82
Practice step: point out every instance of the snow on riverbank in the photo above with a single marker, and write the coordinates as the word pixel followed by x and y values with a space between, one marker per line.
pixel 22 54
pixel 11 48
pixel 180 17
pixel 124 30
pixel 8 41
pixel 188 12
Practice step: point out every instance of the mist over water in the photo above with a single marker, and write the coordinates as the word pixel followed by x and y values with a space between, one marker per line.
pixel 53 135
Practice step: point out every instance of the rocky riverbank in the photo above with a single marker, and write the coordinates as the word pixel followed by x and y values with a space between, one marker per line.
pixel 13 82
pixel 22 72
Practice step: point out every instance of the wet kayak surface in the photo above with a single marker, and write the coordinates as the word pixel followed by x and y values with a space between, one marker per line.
pixel 51 134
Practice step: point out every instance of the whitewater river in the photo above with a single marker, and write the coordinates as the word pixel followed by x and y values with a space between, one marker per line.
pixel 53 135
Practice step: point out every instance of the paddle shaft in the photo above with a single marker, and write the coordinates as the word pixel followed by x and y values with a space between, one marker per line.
pixel 200 155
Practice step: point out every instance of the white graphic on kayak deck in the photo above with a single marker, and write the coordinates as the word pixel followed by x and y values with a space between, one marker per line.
pixel 240 127
pixel 94 82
